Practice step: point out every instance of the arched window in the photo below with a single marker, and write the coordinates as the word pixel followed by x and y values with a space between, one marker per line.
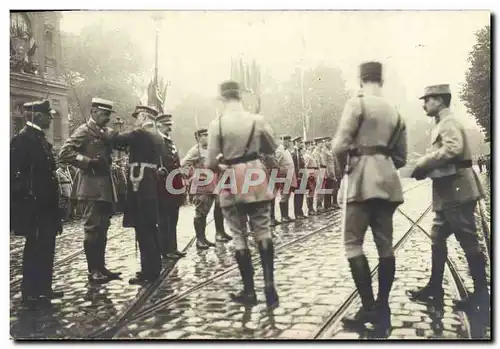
pixel 49 44
pixel 20 25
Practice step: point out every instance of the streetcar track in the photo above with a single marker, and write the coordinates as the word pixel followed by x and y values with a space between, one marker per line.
pixel 333 321
pixel 113 330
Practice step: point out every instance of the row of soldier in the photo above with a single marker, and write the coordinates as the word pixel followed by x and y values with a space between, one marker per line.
pixel 369 147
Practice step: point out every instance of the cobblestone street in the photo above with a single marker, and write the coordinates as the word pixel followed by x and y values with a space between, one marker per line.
pixel 192 301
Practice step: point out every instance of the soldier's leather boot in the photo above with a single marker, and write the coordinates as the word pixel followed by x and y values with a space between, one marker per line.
pixel 96 277
pixel 360 271
pixel 274 221
pixel 310 207
pixel 102 263
pixel 247 296
pixel 433 292
pixel 266 251
pixel 87 247
pixel 284 212
pixel 387 269
pixel 200 235
pixel 221 236
pixel 480 298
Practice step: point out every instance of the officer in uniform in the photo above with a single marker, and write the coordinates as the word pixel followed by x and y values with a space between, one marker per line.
pixel 318 155
pixel 144 145
pixel 88 150
pixel 204 196
pixel 299 164
pixel 285 166
pixel 331 174
pixel 236 141
pixel 34 202
pixel 169 202
pixel 312 171
pixel 456 190
pixel 372 137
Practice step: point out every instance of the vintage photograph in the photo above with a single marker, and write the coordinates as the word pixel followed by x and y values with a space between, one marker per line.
pixel 250 175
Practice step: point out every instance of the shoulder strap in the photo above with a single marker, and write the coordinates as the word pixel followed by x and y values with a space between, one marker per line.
pixel 395 132
pixel 250 138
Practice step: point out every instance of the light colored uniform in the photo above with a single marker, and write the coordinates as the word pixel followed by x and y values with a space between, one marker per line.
pixel 234 129
pixel 374 189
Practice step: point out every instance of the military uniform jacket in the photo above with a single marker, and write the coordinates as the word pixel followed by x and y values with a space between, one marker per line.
pixel 145 150
pixel 235 125
pixel 298 162
pixel 285 164
pixel 195 159
pixel 34 188
pixel 372 176
pixel 449 143
pixel 86 143
pixel 331 164
pixel 171 162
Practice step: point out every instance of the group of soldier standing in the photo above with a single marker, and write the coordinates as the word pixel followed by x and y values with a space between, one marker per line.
pixel 369 147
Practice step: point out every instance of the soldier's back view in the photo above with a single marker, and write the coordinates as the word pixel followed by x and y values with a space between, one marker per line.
pixel 240 137
pixel 372 135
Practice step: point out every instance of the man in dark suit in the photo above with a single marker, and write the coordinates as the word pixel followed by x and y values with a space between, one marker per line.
pixel 88 150
pixel 299 163
pixel 34 198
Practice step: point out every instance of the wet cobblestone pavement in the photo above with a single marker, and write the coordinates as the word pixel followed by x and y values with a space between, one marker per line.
pixel 312 276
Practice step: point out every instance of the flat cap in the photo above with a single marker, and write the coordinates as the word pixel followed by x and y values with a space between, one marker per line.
pixel 201 132
pixel 42 106
pixel 436 90
pixel 370 69
pixel 144 109
pixel 103 104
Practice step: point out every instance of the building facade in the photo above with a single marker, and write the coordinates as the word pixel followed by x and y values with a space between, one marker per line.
pixel 36 69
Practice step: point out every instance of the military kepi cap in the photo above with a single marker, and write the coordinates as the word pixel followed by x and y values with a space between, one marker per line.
pixel 38 107
pixel 436 90
pixel 370 70
pixel 286 137
pixel 200 132
pixel 297 139
pixel 164 119
pixel 144 109
pixel 102 104
pixel 229 87
pixel 318 139
pixel 308 142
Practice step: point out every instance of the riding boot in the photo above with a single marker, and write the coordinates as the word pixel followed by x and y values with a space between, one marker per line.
pixel 102 260
pixel 247 296
pixel 298 202
pixel 360 271
pixel 480 297
pixel 87 247
pixel 284 212
pixel 274 221
pixel 433 292
pixel 266 250
pixel 220 232
pixel 199 228
pixel 387 269
pixel 310 207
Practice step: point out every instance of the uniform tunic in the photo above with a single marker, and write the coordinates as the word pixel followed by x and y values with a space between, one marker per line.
pixel 34 207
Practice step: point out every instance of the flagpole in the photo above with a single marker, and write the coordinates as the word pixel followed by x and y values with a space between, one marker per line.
pixel 157 17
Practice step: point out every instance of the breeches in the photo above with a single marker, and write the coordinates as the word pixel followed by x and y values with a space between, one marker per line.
pixel 376 214
pixel 460 221
pixel 259 215
pixel 203 204
pixel 97 217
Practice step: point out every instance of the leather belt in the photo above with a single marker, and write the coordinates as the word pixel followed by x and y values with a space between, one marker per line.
pixel 323 166
pixel 313 168
pixel 370 150
pixel 242 159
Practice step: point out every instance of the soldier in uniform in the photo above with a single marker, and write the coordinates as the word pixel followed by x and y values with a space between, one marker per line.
pixel 312 171
pixel 88 150
pixel 34 202
pixel 331 175
pixel 144 145
pixel 237 140
pixel 299 164
pixel 169 202
pixel 204 197
pixel 285 165
pixel 456 190
pixel 372 137
pixel 318 155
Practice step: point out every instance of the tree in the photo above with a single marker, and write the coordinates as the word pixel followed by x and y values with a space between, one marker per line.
pixel 103 63
pixel 477 89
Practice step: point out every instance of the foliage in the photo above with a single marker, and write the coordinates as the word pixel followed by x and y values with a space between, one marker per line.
pixel 476 92
pixel 101 63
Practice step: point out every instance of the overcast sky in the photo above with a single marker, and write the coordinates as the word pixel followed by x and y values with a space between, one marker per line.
pixel 420 47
